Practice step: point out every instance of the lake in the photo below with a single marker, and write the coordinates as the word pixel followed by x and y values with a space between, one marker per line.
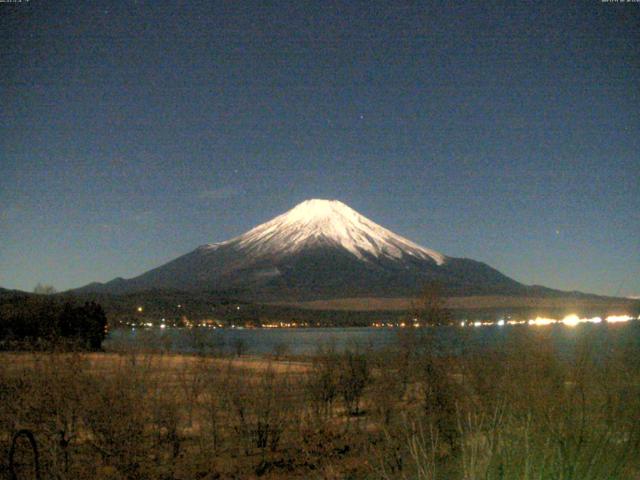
pixel 301 341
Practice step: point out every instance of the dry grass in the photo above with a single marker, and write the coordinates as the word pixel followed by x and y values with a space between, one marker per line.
pixel 167 363
pixel 519 412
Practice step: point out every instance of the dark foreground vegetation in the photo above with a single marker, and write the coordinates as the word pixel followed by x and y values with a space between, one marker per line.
pixel 36 322
pixel 523 412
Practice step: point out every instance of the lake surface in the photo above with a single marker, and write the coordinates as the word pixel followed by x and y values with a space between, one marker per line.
pixel 310 340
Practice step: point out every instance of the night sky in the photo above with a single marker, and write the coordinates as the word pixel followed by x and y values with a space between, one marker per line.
pixel 134 131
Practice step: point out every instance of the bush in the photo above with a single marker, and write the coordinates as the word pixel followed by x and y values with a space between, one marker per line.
pixel 354 376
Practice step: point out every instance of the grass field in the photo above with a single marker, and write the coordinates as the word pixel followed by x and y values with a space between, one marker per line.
pixel 523 412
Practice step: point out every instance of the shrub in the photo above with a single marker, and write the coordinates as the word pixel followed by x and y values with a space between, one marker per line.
pixel 354 376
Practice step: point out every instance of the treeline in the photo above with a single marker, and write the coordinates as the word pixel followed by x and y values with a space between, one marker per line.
pixel 36 322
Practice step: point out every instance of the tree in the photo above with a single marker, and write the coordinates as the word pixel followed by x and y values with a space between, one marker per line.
pixel 37 320
pixel 240 347
pixel 322 381
pixel 44 289
pixel 354 377
pixel 86 323
pixel 429 308
pixel 95 324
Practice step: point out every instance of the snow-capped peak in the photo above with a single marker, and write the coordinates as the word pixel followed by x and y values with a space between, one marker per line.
pixel 328 222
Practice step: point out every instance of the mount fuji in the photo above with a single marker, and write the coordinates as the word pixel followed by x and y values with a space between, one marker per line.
pixel 319 249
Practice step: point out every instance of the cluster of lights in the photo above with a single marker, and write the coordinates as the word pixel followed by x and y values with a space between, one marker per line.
pixel 541 321
pixel 570 321
pixel 207 325
pixel 284 325
pixel 620 318
pixel 394 325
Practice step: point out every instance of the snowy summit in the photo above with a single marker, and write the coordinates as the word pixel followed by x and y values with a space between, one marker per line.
pixel 327 222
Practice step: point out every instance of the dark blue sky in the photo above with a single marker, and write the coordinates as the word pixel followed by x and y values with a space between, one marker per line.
pixel 134 131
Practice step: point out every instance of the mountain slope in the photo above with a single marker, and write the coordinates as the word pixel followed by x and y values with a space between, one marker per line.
pixel 319 249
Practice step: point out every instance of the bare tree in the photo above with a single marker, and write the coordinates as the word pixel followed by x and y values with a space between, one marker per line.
pixel 353 378
pixel 44 289
pixel 429 308
pixel 322 382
